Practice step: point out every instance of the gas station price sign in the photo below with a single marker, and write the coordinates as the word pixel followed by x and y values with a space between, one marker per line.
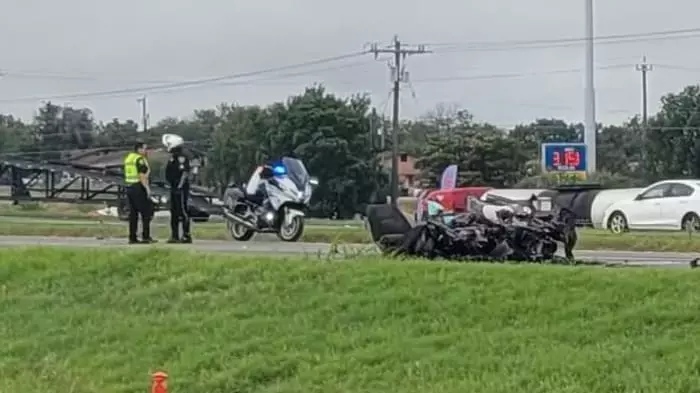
pixel 564 157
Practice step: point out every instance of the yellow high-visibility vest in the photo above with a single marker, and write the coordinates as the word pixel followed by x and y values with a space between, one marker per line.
pixel 131 170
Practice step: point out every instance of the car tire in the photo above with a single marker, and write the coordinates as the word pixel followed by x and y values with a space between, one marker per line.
pixel 692 220
pixel 617 223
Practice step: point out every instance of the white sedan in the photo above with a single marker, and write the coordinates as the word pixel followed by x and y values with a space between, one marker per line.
pixel 666 205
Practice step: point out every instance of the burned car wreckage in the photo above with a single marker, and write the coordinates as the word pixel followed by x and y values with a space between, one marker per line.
pixel 496 229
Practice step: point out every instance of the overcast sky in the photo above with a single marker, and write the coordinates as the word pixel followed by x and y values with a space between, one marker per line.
pixel 54 48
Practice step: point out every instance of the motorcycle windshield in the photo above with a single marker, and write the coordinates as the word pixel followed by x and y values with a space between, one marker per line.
pixel 296 172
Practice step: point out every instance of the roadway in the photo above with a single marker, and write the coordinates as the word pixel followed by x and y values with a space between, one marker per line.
pixel 158 221
pixel 634 258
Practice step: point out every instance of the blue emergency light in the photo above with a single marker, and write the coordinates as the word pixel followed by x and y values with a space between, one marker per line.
pixel 279 170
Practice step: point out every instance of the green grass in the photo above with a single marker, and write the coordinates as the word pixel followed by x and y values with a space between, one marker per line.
pixel 588 239
pixel 73 211
pixel 85 321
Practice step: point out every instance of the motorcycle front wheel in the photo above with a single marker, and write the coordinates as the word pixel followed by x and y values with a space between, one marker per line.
pixel 293 231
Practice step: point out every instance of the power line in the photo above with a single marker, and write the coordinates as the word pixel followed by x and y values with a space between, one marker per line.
pixel 476 45
pixel 399 75
pixel 513 74
pixel 223 84
pixel 172 86
pixel 158 85
pixel 677 67
pixel 202 81
pixel 563 45
pixel 614 38
pixel 70 77
pixel 163 87
pixel 276 78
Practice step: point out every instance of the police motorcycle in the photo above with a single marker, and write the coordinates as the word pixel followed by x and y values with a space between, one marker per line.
pixel 273 201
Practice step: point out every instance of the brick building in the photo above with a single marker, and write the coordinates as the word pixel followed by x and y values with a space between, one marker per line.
pixel 408 174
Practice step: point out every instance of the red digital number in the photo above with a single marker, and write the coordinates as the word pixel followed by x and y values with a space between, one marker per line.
pixel 572 158
pixel 556 160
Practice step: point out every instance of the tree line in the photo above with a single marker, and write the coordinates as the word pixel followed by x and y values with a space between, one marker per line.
pixel 339 140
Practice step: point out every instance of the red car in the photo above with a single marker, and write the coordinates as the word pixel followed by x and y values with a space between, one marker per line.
pixel 453 200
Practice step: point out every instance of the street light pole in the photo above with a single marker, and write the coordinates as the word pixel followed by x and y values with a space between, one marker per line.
pixel 590 132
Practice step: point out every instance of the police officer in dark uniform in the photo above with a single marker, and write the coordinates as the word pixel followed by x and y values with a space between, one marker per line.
pixel 138 193
pixel 177 174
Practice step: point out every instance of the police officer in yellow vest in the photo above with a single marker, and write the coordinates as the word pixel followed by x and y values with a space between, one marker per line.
pixel 138 193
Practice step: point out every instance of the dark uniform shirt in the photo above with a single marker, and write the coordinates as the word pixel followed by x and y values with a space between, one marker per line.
pixel 177 165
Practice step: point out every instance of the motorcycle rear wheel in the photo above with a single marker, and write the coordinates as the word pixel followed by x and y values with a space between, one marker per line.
pixel 240 232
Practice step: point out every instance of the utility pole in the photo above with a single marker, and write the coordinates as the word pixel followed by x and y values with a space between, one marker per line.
pixel 591 128
pixel 644 69
pixel 144 112
pixel 382 135
pixel 373 127
pixel 399 75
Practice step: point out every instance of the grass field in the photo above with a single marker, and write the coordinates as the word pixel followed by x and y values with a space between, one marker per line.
pixel 53 210
pixel 89 321
pixel 588 239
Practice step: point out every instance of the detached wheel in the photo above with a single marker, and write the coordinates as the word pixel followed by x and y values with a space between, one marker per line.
pixel 690 222
pixel 293 231
pixel 617 223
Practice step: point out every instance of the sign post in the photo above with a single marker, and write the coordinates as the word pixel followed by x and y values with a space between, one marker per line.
pixel 566 159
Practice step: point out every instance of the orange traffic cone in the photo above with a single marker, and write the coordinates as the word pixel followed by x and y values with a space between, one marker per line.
pixel 160 382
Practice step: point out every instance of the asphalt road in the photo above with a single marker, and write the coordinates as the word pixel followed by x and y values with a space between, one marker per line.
pixel 156 222
pixel 659 259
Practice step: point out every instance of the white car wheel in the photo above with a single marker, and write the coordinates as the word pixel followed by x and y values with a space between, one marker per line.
pixel 617 223
pixel 691 223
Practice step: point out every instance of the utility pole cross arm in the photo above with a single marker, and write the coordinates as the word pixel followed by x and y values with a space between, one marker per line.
pixel 399 53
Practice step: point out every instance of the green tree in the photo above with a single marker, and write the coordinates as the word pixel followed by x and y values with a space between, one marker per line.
pixel 235 145
pixel 58 129
pixel 117 133
pixel 619 149
pixel 484 154
pixel 15 136
pixel 531 137
pixel 673 142
pixel 330 135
